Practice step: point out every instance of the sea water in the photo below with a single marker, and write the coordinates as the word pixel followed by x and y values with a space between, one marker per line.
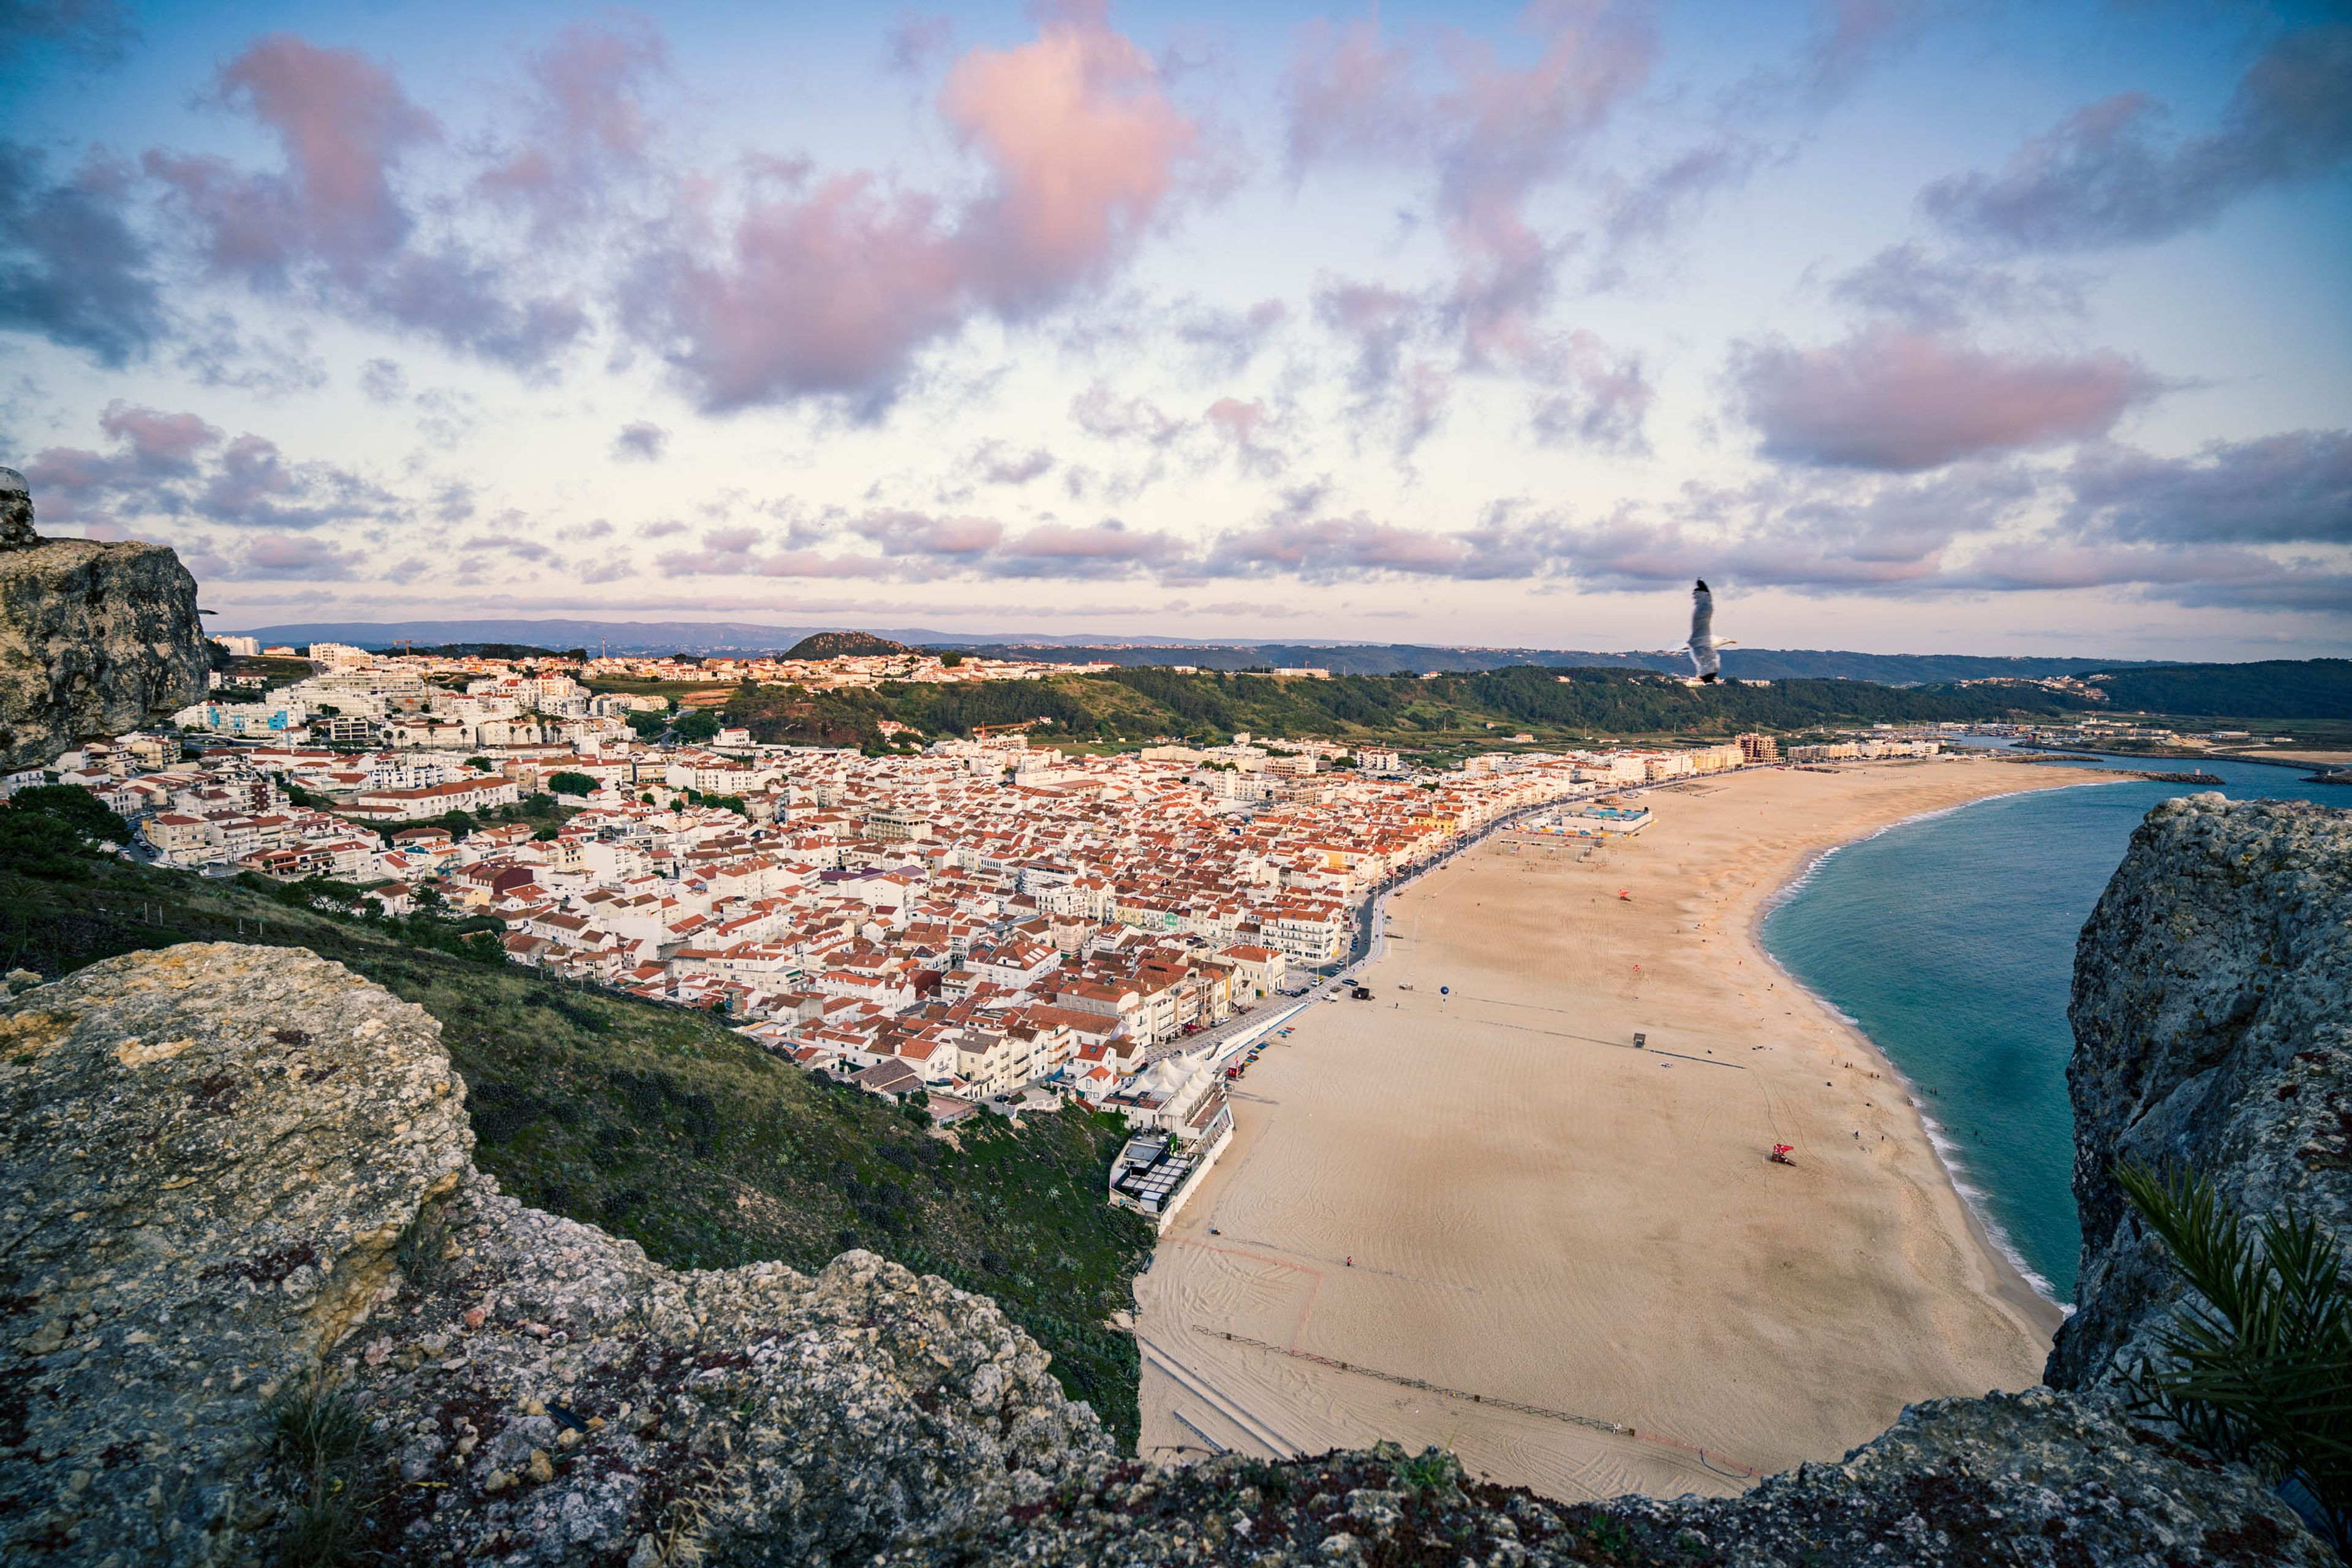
pixel 1949 940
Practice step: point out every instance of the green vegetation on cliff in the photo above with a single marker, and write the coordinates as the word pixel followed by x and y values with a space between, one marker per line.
pixel 1412 711
pixel 662 1126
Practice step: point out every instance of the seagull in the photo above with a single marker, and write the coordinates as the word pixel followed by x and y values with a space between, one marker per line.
pixel 1703 643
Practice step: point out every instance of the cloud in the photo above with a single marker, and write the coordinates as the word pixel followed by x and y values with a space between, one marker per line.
pixel 1336 547
pixel 343 124
pixel 1400 400
pixel 640 441
pixel 160 444
pixel 997 462
pixel 96 32
pixel 919 533
pixel 2101 177
pixel 220 351
pixel 71 270
pixel 1646 211
pixel 588 124
pixel 1247 427
pixel 916 40
pixel 383 381
pixel 1223 342
pixel 1100 412
pixel 167 465
pixel 1106 549
pixel 1494 136
pixel 280 556
pixel 833 289
pixel 1602 400
pixel 2280 490
pixel 1926 293
pixel 1902 401
pixel 330 221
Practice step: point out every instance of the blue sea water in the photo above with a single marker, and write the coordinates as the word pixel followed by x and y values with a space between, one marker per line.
pixel 1949 940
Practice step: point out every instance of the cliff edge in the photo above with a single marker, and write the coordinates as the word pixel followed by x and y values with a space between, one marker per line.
pixel 2212 1013
pixel 95 638
pixel 241 1211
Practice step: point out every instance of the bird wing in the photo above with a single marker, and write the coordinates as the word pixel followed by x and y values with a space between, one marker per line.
pixel 1702 616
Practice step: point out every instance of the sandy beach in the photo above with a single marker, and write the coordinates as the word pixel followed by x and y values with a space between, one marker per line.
pixel 1485 1221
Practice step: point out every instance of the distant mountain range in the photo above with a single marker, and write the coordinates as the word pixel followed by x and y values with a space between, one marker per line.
pixel 1341 658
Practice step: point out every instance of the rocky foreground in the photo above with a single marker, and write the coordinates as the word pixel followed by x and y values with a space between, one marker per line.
pixel 240 1209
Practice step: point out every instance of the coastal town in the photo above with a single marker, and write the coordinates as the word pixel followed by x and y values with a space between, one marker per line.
pixel 969 919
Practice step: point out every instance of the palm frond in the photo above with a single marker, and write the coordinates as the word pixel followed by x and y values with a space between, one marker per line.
pixel 2258 1366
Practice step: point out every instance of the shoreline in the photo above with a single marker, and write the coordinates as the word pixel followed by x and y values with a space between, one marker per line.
pixel 1434 1201
pixel 2027 1288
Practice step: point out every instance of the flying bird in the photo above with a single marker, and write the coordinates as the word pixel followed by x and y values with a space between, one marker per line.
pixel 1703 644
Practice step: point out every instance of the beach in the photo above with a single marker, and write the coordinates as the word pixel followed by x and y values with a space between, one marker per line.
pixel 1485 1220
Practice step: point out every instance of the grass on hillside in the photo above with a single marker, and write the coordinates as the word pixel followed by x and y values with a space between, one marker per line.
pixel 662 1126
pixel 1448 713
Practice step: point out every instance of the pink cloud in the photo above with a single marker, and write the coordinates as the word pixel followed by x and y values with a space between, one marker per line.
pixel 344 123
pixel 1086 149
pixel 834 289
pixel 159 443
pixel 919 533
pixel 1494 135
pixel 1060 548
pixel 587 124
pixel 1903 400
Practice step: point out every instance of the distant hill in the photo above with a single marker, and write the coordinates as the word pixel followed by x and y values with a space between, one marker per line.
pixel 1415 658
pixel 2272 688
pixel 1472 710
pixel 845 645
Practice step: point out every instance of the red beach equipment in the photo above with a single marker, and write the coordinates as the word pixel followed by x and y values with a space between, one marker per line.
pixel 1780 1152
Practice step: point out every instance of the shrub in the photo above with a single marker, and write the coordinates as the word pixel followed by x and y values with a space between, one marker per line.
pixel 2260 1369
pixel 50 830
pixel 569 783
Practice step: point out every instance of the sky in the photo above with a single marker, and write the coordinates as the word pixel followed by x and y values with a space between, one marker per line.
pixel 1911 326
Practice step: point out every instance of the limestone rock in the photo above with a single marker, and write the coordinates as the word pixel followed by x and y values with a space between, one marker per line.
pixel 95 640
pixel 15 511
pixel 2038 1480
pixel 2212 1013
pixel 217 1157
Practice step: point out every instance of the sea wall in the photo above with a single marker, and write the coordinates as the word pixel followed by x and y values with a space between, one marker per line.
pixel 2212 1013
pixel 240 1186
pixel 95 638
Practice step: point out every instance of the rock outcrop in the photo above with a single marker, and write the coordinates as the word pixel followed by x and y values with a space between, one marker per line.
pixel 239 1192
pixel 2213 1015
pixel 239 1177
pixel 95 638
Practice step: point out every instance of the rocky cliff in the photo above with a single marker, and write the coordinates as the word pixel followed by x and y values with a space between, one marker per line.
pixel 95 640
pixel 240 1213
pixel 2213 1015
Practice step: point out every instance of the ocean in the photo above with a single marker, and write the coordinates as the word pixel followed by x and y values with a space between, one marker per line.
pixel 1949 940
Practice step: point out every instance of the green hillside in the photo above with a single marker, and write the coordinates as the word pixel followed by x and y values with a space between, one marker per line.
pixel 1414 712
pixel 845 645
pixel 660 1125
pixel 2272 688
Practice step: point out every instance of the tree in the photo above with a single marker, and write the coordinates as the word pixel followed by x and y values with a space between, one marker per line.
pixel 569 783
pixel 50 830
pixel 479 764
pixel 456 820
pixel 649 726
pixel 950 660
pixel 697 726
